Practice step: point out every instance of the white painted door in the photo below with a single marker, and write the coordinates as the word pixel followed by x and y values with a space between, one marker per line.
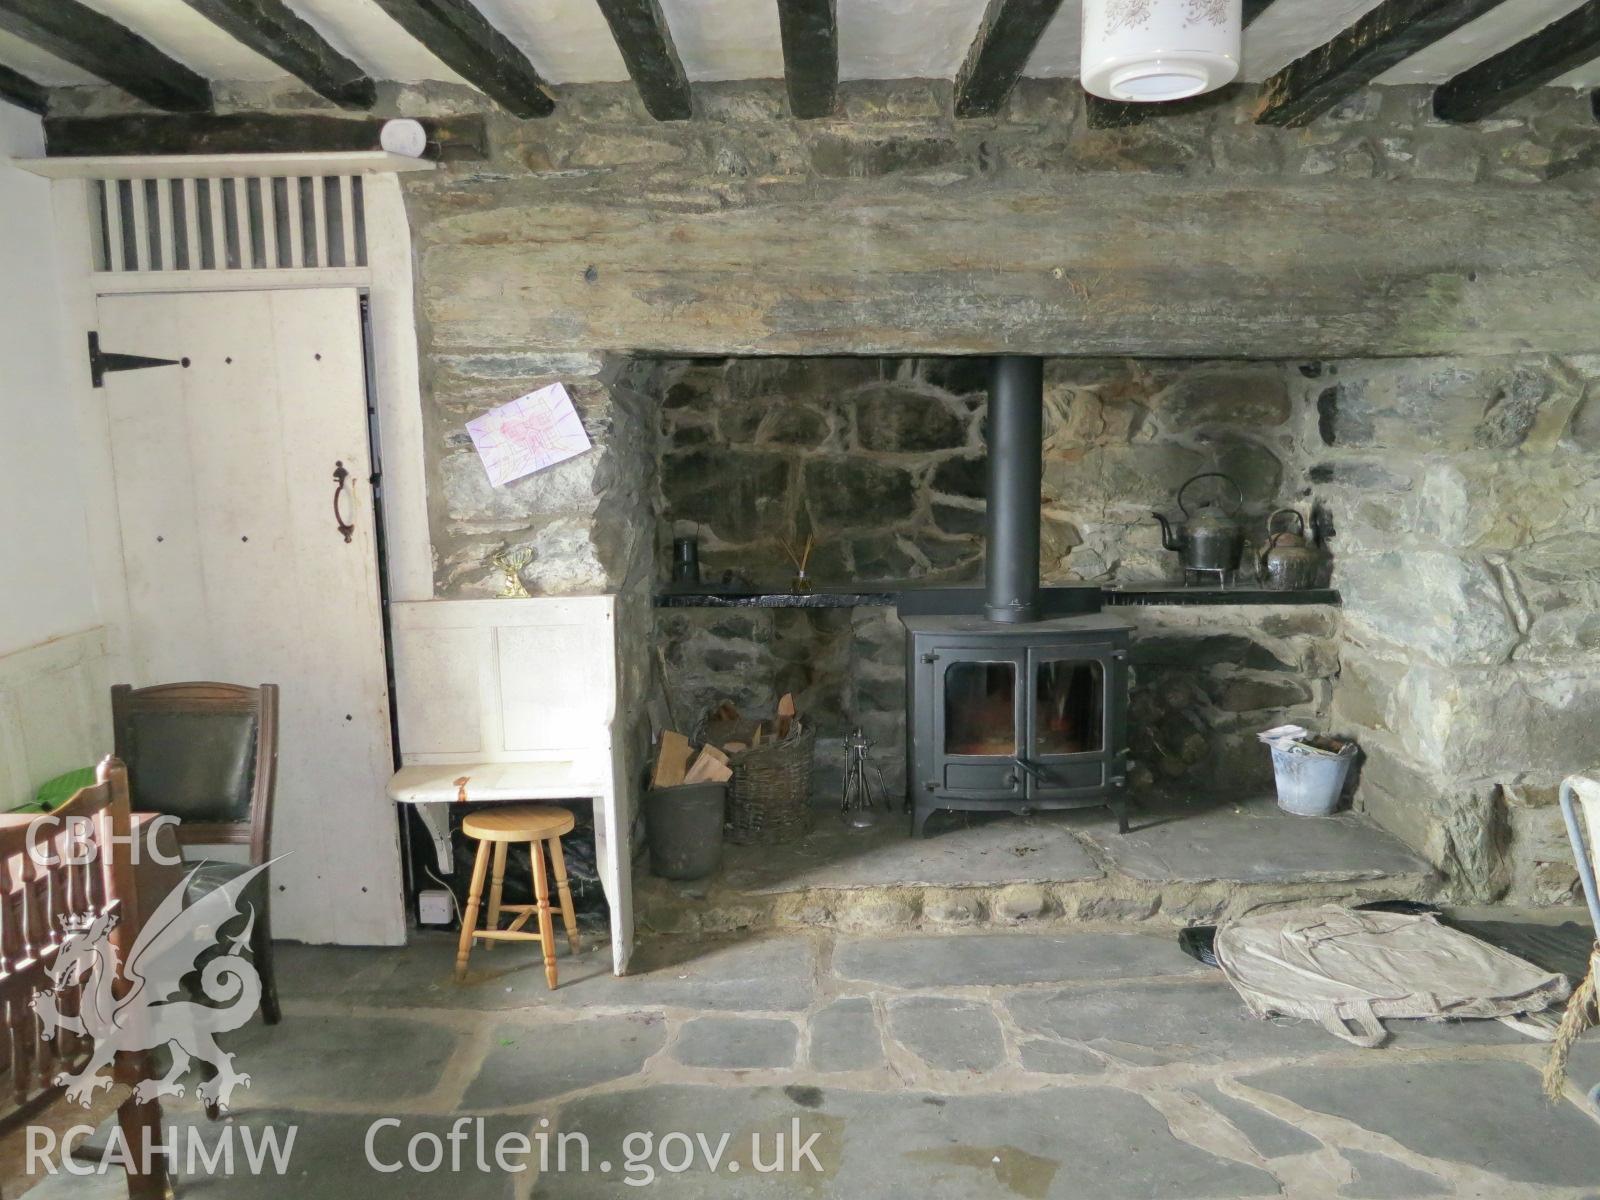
pixel 237 571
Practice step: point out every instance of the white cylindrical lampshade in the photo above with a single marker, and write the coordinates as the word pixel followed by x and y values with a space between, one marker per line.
pixel 1152 50
pixel 404 136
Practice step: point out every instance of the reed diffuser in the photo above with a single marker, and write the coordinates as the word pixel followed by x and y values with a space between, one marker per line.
pixel 801 557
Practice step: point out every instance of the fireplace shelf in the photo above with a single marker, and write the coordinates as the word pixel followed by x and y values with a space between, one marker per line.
pixel 1175 593
pixel 952 600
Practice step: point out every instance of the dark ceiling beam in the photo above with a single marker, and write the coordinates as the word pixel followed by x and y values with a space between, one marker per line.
pixel 458 35
pixel 22 91
pixel 94 42
pixel 646 44
pixel 1388 34
pixel 450 139
pixel 1253 9
pixel 1114 114
pixel 810 32
pixel 1009 31
pixel 273 31
pixel 1533 62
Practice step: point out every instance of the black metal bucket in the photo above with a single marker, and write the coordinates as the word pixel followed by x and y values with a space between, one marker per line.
pixel 683 826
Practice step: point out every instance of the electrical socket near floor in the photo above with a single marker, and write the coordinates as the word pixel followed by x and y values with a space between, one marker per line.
pixel 434 907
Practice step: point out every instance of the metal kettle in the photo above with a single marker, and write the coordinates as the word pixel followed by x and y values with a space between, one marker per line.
pixel 1289 562
pixel 1210 538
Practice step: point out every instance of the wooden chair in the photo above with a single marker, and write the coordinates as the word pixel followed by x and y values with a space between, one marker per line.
pixel 536 824
pixel 35 899
pixel 208 754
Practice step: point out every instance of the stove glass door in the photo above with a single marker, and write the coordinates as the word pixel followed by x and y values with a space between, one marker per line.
pixel 1068 730
pixel 980 708
pixel 1069 707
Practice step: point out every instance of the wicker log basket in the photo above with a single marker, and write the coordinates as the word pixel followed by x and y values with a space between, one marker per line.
pixel 769 796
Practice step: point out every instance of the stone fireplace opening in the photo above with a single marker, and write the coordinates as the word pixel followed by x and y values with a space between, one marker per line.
pixel 1451 643
pixel 885 464
pixel 988 584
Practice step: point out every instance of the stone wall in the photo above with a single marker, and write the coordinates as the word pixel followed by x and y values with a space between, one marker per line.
pixel 896 229
pixel 1205 681
pixel 883 461
pixel 1461 490
pixel 1462 497
pixel 1466 498
pixel 582 527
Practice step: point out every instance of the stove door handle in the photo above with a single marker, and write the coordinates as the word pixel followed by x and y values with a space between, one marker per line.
pixel 1028 769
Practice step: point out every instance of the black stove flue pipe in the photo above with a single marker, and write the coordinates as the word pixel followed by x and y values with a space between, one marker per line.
pixel 1016 452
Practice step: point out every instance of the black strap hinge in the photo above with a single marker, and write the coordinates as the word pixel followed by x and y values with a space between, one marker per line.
pixel 102 363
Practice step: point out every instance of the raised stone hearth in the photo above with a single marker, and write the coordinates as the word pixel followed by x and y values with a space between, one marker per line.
pixel 1180 863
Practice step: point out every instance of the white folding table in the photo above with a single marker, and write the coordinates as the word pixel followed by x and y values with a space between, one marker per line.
pixel 432 787
pixel 513 701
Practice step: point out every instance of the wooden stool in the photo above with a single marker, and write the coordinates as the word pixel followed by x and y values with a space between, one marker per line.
pixel 535 824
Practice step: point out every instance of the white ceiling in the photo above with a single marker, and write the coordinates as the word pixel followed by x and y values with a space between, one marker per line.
pixel 569 42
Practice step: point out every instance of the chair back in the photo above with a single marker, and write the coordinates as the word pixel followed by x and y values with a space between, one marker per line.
pixel 203 752
pixel 72 863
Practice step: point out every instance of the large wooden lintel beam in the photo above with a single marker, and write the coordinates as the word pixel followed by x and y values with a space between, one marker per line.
pixel 1388 34
pixel 1533 62
pixel 91 40
pixel 276 33
pixel 646 44
pixel 460 37
pixel 1007 35
pixel 810 33
pixel 449 138
pixel 22 91
pixel 1113 114
pixel 1093 264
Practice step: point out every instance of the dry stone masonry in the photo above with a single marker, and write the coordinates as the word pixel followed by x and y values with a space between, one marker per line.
pixel 1467 501
pixel 883 461
pixel 1420 300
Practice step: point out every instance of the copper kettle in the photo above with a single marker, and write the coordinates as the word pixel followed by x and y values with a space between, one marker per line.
pixel 1289 563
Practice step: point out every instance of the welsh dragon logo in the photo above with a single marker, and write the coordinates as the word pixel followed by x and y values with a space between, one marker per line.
pixel 155 1010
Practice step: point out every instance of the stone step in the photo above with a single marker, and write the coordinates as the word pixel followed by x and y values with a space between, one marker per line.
pixel 1180 863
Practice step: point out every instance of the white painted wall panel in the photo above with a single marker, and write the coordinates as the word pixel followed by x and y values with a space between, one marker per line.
pixel 37 65
pixel 46 589
pixel 55 711
pixel 905 39
pixel 371 37
pixel 178 30
pixel 726 41
pixel 567 40
pixel 1056 55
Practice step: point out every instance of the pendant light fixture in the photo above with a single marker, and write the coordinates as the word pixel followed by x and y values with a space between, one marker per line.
pixel 1153 50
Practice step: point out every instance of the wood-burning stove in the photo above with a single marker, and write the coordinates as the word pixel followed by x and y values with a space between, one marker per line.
pixel 1006 710
pixel 1016 717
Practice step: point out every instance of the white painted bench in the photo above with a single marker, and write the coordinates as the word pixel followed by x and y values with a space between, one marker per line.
pixel 513 700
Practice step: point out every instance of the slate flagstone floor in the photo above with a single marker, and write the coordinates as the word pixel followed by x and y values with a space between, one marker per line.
pixel 1096 1065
